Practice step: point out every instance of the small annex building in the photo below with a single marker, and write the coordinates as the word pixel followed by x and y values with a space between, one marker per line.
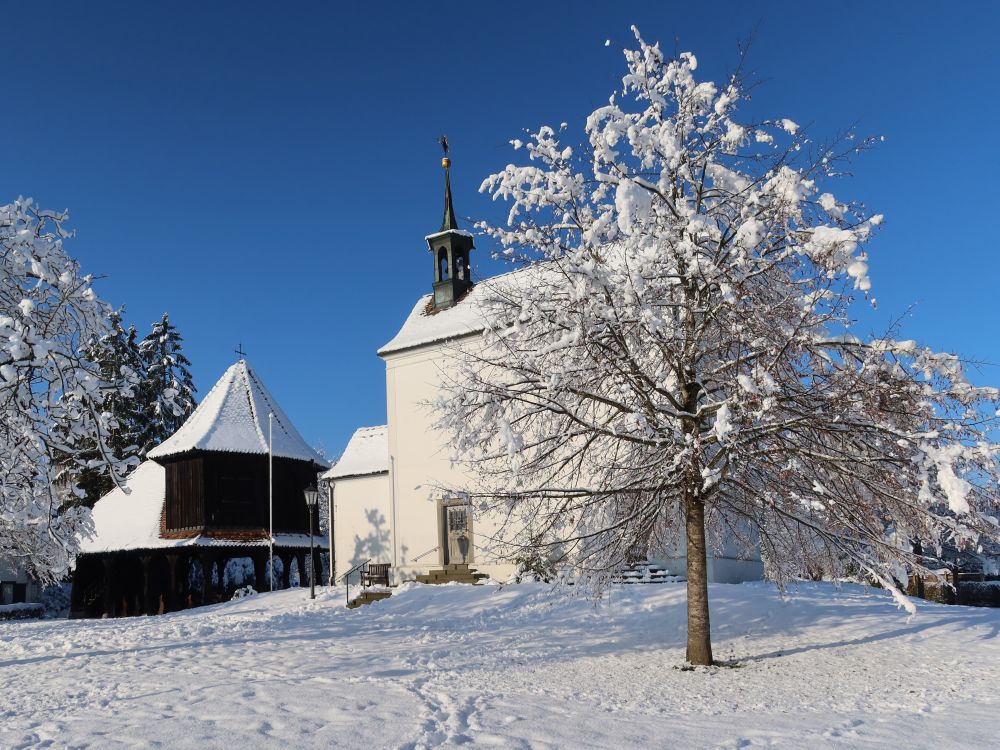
pixel 363 515
pixel 200 500
pixel 396 496
pixel 17 585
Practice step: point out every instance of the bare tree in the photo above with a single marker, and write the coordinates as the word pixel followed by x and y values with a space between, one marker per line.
pixel 675 362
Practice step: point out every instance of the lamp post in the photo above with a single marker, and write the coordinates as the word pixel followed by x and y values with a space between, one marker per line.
pixel 312 500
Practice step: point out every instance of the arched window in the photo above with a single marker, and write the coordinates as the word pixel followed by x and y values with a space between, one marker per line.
pixel 442 264
pixel 460 267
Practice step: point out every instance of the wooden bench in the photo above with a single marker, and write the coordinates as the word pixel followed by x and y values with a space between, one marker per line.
pixel 376 574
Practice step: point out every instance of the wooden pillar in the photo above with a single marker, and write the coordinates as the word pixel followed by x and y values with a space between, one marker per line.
pixel 219 567
pixel 259 557
pixel 108 577
pixel 147 604
pixel 171 599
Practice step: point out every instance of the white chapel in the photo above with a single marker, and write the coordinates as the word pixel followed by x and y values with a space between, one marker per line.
pixel 396 497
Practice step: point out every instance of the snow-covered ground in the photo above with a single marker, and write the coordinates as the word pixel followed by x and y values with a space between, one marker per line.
pixel 512 667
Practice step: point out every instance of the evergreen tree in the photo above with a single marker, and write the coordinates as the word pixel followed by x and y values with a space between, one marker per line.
pixel 119 359
pixel 167 389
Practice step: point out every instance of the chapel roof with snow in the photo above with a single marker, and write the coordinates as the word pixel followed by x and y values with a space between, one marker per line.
pixel 233 418
pixel 425 325
pixel 367 453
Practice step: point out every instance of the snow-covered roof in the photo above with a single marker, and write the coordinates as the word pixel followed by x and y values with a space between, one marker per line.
pixel 367 452
pixel 443 232
pixel 463 319
pixel 132 521
pixel 233 418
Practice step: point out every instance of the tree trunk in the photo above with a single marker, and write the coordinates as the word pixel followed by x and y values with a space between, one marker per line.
pixel 699 630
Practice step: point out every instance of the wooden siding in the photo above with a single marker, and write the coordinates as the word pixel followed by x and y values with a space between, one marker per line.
pixel 213 492
pixel 185 498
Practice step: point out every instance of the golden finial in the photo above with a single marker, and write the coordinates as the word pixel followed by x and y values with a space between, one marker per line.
pixel 445 162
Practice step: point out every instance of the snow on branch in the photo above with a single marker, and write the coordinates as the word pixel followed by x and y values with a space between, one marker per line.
pixel 679 337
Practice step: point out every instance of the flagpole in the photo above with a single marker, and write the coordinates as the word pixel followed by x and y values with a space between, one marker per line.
pixel 270 490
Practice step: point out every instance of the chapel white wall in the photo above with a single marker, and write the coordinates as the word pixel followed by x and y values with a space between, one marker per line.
pixel 420 465
pixel 362 521
pixel 420 470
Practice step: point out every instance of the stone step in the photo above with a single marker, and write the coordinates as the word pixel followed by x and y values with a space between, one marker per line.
pixel 447 579
pixel 367 598
pixel 451 576
pixel 453 573
pixel 644 571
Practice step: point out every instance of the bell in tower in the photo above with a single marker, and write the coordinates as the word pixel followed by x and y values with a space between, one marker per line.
pixel 450 247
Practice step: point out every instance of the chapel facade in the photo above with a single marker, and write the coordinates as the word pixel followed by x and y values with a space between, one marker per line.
pixel 396 496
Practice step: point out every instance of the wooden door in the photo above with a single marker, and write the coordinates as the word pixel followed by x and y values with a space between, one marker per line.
pixel 458 528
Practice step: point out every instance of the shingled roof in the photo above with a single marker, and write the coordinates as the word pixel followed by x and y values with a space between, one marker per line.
pixel 232 418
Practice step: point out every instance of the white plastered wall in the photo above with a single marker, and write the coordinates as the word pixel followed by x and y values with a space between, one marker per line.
pixel 420 465
pixel 362 521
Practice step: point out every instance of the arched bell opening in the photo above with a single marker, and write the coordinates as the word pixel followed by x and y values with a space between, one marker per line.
pixel 442 265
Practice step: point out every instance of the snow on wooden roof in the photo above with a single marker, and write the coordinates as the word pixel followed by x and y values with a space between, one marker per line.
pixel 367 452
pixel 424 326
pixel 132 521
pixel 233 418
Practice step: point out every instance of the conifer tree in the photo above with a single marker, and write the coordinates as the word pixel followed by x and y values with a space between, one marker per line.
pixel 167 389
pixel 118 356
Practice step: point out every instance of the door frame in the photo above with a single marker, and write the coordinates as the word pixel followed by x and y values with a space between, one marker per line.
pixel 443 504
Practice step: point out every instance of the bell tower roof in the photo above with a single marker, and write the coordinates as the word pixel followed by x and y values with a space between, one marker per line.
pixel 449 222
pixel 450 247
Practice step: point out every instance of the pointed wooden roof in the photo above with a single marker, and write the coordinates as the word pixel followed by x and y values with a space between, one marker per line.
pixel 232 418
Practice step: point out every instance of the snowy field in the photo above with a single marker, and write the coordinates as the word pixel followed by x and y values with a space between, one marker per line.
pixel 458 665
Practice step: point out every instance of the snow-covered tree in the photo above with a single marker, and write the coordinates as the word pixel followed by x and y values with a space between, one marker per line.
pixel 676 364
pixel 117 353
pixel 167 389
pixel 52 422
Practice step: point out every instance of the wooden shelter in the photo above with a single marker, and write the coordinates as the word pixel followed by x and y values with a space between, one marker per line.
pixel 200 500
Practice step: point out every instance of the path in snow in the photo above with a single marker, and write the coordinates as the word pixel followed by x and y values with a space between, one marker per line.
pixel 516 667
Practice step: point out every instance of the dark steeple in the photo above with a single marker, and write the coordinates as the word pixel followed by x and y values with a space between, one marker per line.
pixel 450 247
pixel 449 221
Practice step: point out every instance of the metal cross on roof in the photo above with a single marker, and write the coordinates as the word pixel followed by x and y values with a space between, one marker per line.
pixel 239 351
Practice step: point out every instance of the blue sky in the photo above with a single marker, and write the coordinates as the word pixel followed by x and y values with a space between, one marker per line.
pixel 267 174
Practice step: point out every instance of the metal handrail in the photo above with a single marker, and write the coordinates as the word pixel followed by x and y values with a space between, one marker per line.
pixel 347 583
pixel 424 554
pixel 356 567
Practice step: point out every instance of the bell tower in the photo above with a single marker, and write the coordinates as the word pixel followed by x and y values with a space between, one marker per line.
pixel 450 247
